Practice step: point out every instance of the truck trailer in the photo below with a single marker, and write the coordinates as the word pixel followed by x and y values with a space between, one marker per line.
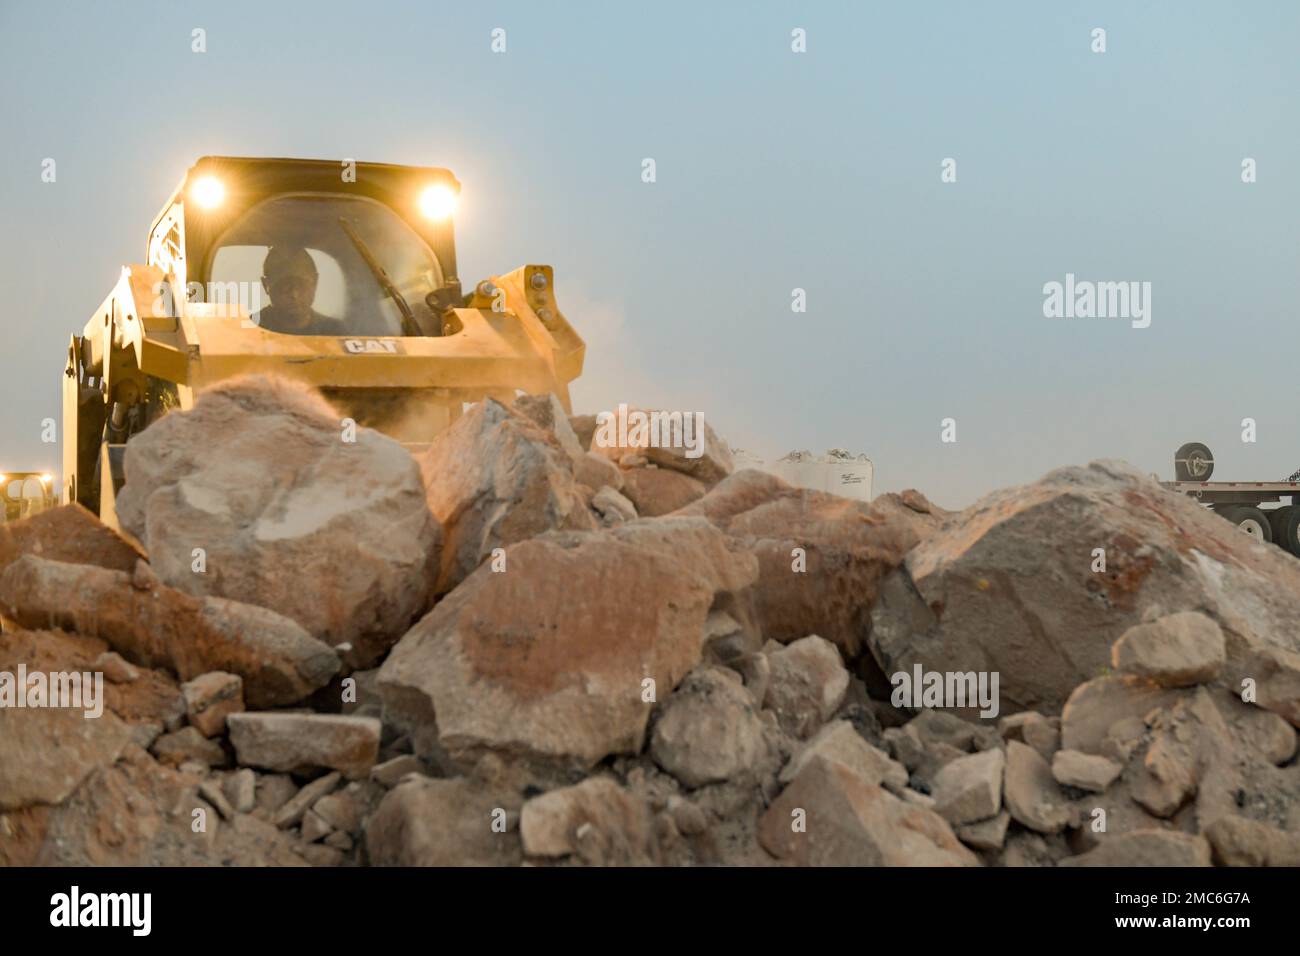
pixel 1241 502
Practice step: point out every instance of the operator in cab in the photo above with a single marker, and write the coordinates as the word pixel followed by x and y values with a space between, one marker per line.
pixel 289 277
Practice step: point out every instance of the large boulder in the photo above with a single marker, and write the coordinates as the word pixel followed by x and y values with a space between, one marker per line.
pixel 559 657
pixel 821 557
pixel 156 626
pixel 497 477
pixel 293 510
pixel 1009 585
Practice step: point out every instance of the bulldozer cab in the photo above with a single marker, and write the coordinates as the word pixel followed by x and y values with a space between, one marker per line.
pixel 25 493
pixel 340 275
pixel 306 264
pixel 346 249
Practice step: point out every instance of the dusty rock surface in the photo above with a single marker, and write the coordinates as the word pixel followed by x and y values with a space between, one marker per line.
pixel 291 510
pixel 631 658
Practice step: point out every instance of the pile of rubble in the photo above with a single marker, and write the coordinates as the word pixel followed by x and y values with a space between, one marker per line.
pixel 519 647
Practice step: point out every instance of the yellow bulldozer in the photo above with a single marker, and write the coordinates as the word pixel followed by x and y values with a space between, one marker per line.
pixel 338 274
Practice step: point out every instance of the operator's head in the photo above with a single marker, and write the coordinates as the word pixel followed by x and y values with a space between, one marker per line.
pixel 289 277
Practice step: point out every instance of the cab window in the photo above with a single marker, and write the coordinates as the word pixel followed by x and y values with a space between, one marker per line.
pixel 309 264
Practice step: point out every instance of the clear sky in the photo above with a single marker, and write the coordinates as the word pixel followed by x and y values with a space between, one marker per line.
pixel 775 170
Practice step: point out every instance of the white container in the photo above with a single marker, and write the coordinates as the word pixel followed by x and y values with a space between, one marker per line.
pixel 847 477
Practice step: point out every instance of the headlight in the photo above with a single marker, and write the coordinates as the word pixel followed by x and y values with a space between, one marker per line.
pixel 208 192
pixel 437 203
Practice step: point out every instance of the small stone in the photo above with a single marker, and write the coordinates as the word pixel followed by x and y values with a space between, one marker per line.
pixel 274 790
pixel 390 772
pixel 1236 841
pixel 1147 847
pixel 1167 778
pixel 1032 728
pixel 1123 739
pixel 904 746
pixel 920 799
pixel 596 472
pixel 211 792
pixel 1276 673
pixel 1097 705
pixel 144 734
pixel 313 827
pixel 186 745
pixel 597 820
pixel 1272 736
pixel 292 812
pixel 690 819
pixel 453 821
pixel 915 500
pixel 613 507
pixel 846 821
pixel 240 789
pixel 143 577
pixel 937 756
pixel 340 841
pixel 341 811
pixel 756 672
pixel 838 741
pixel 173 713
pixel 970 788
pixel 1031 792
pixel 1179 650
pixel 115 668
pixel 210 698
pixel 1074 768
pixel 937 727
pixel 808 683
pixel 709 731
pixel 989 835
pixel 1043 737
pixel 318 854
pixel 298 742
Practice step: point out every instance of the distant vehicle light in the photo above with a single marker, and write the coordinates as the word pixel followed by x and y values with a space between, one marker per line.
pixel 437 203
pixel 208 192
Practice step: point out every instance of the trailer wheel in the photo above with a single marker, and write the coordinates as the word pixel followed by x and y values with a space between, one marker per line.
pixel 1250 520
pixel 1286 528
pixel 1193 462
